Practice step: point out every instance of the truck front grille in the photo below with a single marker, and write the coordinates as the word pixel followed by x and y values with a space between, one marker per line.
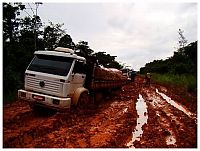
pixel 50 87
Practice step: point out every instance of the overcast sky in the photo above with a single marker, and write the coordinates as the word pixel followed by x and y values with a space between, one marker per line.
pixel 137 33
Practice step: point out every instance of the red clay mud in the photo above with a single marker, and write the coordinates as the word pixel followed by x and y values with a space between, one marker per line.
pixel 110 124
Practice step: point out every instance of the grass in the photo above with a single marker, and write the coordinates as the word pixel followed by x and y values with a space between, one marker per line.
pixel 185 81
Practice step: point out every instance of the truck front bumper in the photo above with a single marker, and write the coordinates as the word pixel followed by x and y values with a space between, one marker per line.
pixel 45 100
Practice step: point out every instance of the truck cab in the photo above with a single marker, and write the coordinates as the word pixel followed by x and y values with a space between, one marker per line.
pixel 126 73
pixel 54 79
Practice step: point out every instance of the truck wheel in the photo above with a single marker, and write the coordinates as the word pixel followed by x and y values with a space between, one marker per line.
pixel 84 100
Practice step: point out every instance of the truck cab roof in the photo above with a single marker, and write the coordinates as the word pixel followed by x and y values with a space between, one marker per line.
pixel 55 52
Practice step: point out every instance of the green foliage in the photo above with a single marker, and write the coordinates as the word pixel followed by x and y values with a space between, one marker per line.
pixel 180 69
pixel 18 47
pixel 186 81
pixel 52 34
pixel 184 61
pixel 100 58
pixel 107 60
pixel 83 49
pixel 10 20
pixel 66 41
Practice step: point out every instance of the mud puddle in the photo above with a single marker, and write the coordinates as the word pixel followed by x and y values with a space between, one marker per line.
pixel 170 140
pixel 176 105
pixel 113 123
pixel 141 108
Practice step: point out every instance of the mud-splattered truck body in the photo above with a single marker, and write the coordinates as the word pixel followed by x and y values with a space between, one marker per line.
pixel 58 79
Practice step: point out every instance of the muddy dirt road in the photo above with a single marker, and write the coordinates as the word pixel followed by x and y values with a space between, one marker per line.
pixel 134 117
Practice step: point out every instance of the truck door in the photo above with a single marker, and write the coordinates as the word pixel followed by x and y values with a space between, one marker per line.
pixel 78 74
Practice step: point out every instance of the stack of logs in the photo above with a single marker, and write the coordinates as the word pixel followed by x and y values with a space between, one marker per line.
pixel 108 74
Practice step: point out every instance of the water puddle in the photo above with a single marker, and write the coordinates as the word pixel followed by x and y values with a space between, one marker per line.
pixel 170 140
pixel 125 110
pixel 141 108
pixel 173 103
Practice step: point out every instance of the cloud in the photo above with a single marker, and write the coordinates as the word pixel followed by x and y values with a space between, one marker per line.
pixel 136 33
pixel 149 31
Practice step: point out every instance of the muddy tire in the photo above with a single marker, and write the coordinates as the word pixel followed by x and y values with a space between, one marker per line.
pixel 84 100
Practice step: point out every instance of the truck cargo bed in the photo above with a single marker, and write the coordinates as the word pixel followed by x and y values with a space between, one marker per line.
pixel 97 85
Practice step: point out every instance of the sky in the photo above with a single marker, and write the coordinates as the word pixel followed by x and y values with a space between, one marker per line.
pixel 137 33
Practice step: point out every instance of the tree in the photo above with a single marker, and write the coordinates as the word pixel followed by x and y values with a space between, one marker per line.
pixel 52 34
pixel 83 49
pixel 66 41
pixel 182 41
pixel 107 60
pixel 11 23
pixel 10 20
pixel 182 62
pixel 18 46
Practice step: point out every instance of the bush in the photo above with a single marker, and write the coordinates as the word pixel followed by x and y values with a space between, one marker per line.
pixel 186 81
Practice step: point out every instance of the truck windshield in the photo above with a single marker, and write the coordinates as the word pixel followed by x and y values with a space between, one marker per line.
pixel 57 65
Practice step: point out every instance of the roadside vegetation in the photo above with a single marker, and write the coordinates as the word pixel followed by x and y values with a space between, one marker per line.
pixel 186 82
pixel 178 71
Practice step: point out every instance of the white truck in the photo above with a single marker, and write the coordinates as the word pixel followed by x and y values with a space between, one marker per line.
pixel 60 78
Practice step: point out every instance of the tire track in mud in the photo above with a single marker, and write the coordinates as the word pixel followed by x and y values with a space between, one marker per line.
pixel 106 126
pixel 21 125
pixel 71 133
pixel 110 124
pixel 21 133
pixel 161 111
pixel 166 123
pixel 109 130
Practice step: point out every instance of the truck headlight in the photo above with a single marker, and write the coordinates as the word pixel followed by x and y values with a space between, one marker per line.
pixel 22 94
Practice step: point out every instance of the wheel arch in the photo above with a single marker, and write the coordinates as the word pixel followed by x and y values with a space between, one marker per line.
pixel 77 94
